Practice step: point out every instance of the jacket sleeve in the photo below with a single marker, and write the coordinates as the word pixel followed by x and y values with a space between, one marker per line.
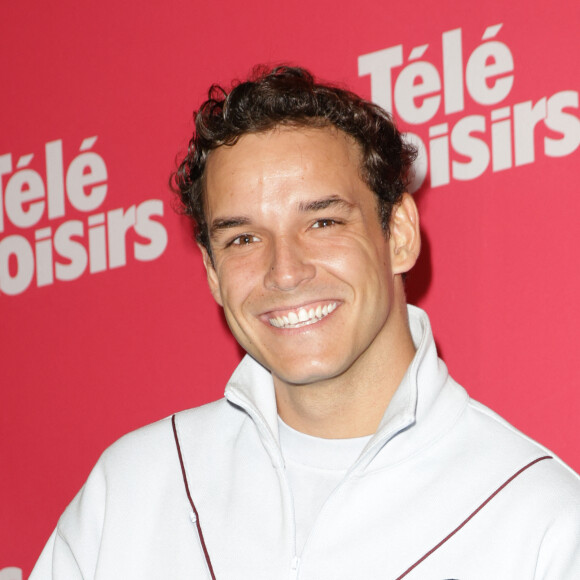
pixel 72 551
pixel 559 554
pixel 56 562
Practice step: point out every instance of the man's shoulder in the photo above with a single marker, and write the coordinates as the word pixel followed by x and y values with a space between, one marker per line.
pixel 152 442
pixel 490 439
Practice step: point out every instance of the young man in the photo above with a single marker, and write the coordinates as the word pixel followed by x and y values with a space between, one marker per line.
pixel 342 449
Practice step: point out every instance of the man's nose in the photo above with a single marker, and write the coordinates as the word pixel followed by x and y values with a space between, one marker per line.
pixel 289 265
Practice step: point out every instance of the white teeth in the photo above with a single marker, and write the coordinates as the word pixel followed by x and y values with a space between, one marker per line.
pixel 303 317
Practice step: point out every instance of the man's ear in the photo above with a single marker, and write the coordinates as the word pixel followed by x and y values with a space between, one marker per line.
pixel 405 236
pixel 212 277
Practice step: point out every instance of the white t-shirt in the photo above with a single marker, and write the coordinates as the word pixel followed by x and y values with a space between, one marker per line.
pixel 314 467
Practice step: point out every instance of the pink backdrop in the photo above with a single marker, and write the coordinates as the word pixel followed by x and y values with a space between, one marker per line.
pixel 106 322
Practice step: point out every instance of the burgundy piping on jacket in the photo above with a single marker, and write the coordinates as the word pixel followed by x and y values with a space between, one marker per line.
pixel 466 520
pixel 199 532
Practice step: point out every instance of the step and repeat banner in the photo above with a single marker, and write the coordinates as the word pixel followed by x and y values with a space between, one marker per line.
pixel 106 323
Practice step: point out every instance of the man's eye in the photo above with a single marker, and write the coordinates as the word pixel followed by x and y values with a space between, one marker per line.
pixel 244 240
pixel 324 223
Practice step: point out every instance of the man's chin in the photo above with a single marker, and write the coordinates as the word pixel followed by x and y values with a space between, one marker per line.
pixel 305 378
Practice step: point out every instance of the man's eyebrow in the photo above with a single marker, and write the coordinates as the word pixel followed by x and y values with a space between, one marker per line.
pixel 220 224
pixel 319 204
pixel 229 222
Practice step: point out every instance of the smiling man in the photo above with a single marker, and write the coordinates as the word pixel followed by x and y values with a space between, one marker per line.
pixel 342 448
pixel 309 282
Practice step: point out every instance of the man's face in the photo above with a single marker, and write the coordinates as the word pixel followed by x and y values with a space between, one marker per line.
pixel 301 264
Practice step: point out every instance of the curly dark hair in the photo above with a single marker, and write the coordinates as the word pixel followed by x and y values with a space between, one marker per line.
pixel 290 96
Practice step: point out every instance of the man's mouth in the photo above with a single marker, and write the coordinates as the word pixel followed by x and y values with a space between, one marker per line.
pixel 302 316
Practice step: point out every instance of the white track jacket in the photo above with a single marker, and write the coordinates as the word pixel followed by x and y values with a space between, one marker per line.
pixel 445 489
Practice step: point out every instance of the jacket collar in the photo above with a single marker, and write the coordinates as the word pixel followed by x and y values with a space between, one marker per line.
pixel 426 403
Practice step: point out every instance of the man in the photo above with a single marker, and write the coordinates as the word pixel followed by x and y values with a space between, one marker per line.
pixel 342 449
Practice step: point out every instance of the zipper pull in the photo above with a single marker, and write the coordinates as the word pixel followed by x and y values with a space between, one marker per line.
pixel 295 564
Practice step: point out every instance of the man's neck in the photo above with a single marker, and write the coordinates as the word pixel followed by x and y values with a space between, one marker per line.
pixel 353 403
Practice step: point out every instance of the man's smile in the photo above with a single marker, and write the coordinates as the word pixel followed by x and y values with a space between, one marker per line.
pixel 302 316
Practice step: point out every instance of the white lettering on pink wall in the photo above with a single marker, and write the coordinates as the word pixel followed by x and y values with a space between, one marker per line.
pixel 502 136
pixel 91 241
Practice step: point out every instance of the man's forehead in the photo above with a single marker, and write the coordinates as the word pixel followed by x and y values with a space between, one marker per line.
pixel 282 151
pixel 258 142
pixel 296 169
